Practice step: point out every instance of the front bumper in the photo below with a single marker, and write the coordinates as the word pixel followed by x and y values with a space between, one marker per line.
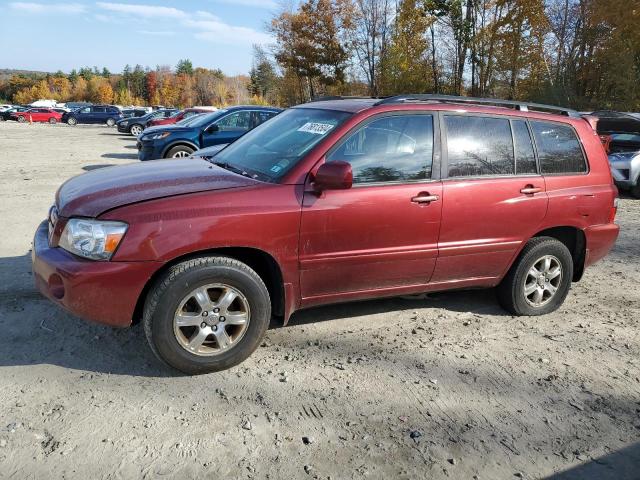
pixel 123 128
pixel 103 292
pixel 149 150
pixel 625 170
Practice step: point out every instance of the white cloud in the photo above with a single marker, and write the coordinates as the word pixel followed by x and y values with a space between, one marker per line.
pixel 147 11
pixel 159 33
pixel 252 3
pixel 218 31
pixel 47 8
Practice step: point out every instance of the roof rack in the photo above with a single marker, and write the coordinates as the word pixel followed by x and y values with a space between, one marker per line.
pixel 522 106
pixel 340 97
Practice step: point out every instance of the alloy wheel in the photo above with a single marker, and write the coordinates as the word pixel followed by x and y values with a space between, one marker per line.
pixel 542 281
pixel 211 319
pixel 181 154
pixel 136 130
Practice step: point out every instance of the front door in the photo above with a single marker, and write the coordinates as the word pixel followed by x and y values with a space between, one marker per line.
pixel 382 233
pixel 494 199
pixel 229 129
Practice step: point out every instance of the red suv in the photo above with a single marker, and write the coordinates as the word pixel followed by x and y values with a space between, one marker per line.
pixel 181 115
pixel 328 202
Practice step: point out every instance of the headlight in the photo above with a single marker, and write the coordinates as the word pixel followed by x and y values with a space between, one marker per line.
pixel 124 123
pixel 92 239
pixel 157 136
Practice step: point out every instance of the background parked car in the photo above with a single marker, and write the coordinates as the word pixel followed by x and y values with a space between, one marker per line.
pixel 135 125
pixel 38 115
pixel 6 115
pixel 133 112
pixel 620 134
pixel 76 105
pixel 5 106
pixel 221 127
pixel 94 114
pixel 181 115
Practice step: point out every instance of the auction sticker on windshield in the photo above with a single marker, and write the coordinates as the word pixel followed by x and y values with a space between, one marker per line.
pixel 316 128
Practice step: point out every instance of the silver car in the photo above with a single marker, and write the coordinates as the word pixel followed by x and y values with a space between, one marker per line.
pixel 625 169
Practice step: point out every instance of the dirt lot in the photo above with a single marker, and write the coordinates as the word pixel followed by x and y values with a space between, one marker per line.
pixel 447 386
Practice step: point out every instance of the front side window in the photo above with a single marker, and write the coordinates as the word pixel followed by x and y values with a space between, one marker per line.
pixel 478 146
pixel 235 122
pixel 558 147
pixel 85 110
pixel 390 149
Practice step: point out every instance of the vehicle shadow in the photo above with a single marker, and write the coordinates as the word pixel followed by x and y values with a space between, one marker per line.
pixel 97 166
pixel 35 332
pixel 623 464
pixel 121 156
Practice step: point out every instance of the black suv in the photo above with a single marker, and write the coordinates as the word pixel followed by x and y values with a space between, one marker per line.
pixel 108 114
pixel 135 125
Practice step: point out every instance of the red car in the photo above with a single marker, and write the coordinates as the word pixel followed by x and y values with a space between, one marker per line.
pixel 38 115
pixel 328 202
pixel 181 115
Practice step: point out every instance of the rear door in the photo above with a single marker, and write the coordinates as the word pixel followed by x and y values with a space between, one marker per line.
pixel 382 233
pixel 494 199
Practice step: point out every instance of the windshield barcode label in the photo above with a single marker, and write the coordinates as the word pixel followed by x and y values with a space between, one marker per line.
pixel 316 128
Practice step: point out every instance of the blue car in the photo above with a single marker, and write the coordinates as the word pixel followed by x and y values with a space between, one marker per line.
pixel 107 114
pixel 216 128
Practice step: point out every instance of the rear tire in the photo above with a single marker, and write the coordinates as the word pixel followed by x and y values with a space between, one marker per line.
pixel 135 129
pixel 111 122
pixel 539 280
pixel 179 332
pixel 72 121
pixel 181 151
pixel 53 121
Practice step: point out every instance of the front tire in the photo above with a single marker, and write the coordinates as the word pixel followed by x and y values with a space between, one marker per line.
pixel 135 130
pixel 206 314
pixel 539 281
pixel 72 121
pixel 181 151
pixel 635 190
pixel 21 119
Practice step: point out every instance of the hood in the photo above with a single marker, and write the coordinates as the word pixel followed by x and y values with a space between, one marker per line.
pixel 95 192
pixel 209 151
pixel 167 128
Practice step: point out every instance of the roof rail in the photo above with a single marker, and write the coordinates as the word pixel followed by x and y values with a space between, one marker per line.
pixel 340 97
pixel 522 106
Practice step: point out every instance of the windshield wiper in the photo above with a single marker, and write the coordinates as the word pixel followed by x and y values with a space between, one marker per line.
pixel 231 168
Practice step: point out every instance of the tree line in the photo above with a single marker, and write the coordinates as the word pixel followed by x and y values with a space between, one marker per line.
pixel 182 86
pixel 579 53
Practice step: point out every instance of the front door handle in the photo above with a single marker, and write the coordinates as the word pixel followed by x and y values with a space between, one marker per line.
pixel 424 197
pixel 530 190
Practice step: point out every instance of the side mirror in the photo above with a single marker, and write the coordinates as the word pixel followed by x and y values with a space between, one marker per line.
pixel 333 176
pixel 213 128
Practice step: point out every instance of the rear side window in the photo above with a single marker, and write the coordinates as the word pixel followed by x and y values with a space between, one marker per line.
pixel 479 146
pixel 558 147
pixel 525 156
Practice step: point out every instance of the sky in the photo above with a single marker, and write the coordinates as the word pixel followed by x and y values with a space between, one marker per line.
pixel 56 35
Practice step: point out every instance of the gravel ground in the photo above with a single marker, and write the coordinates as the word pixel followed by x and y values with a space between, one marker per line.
pixel 447 386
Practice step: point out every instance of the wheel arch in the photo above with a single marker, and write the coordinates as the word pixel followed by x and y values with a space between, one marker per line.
pixel 178 143
pixel 574 239
pixel 264 264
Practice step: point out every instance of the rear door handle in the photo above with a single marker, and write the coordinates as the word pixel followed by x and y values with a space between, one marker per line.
pixel 530 190
pixel 424 198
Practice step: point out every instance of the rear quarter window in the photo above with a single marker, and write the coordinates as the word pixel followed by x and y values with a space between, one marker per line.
pixel 559 149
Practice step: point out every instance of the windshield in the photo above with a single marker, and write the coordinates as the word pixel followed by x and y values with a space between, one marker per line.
pixel 274 147
pixel 189 120
pixel 204 119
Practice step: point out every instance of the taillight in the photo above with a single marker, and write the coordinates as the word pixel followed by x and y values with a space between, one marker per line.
pixel 606 143
pixel 614 210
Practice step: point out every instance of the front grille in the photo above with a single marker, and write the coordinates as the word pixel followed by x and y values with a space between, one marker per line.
pixel 624 172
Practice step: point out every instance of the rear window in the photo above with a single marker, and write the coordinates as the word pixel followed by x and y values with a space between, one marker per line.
pixel 558 147
pixel 479 146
